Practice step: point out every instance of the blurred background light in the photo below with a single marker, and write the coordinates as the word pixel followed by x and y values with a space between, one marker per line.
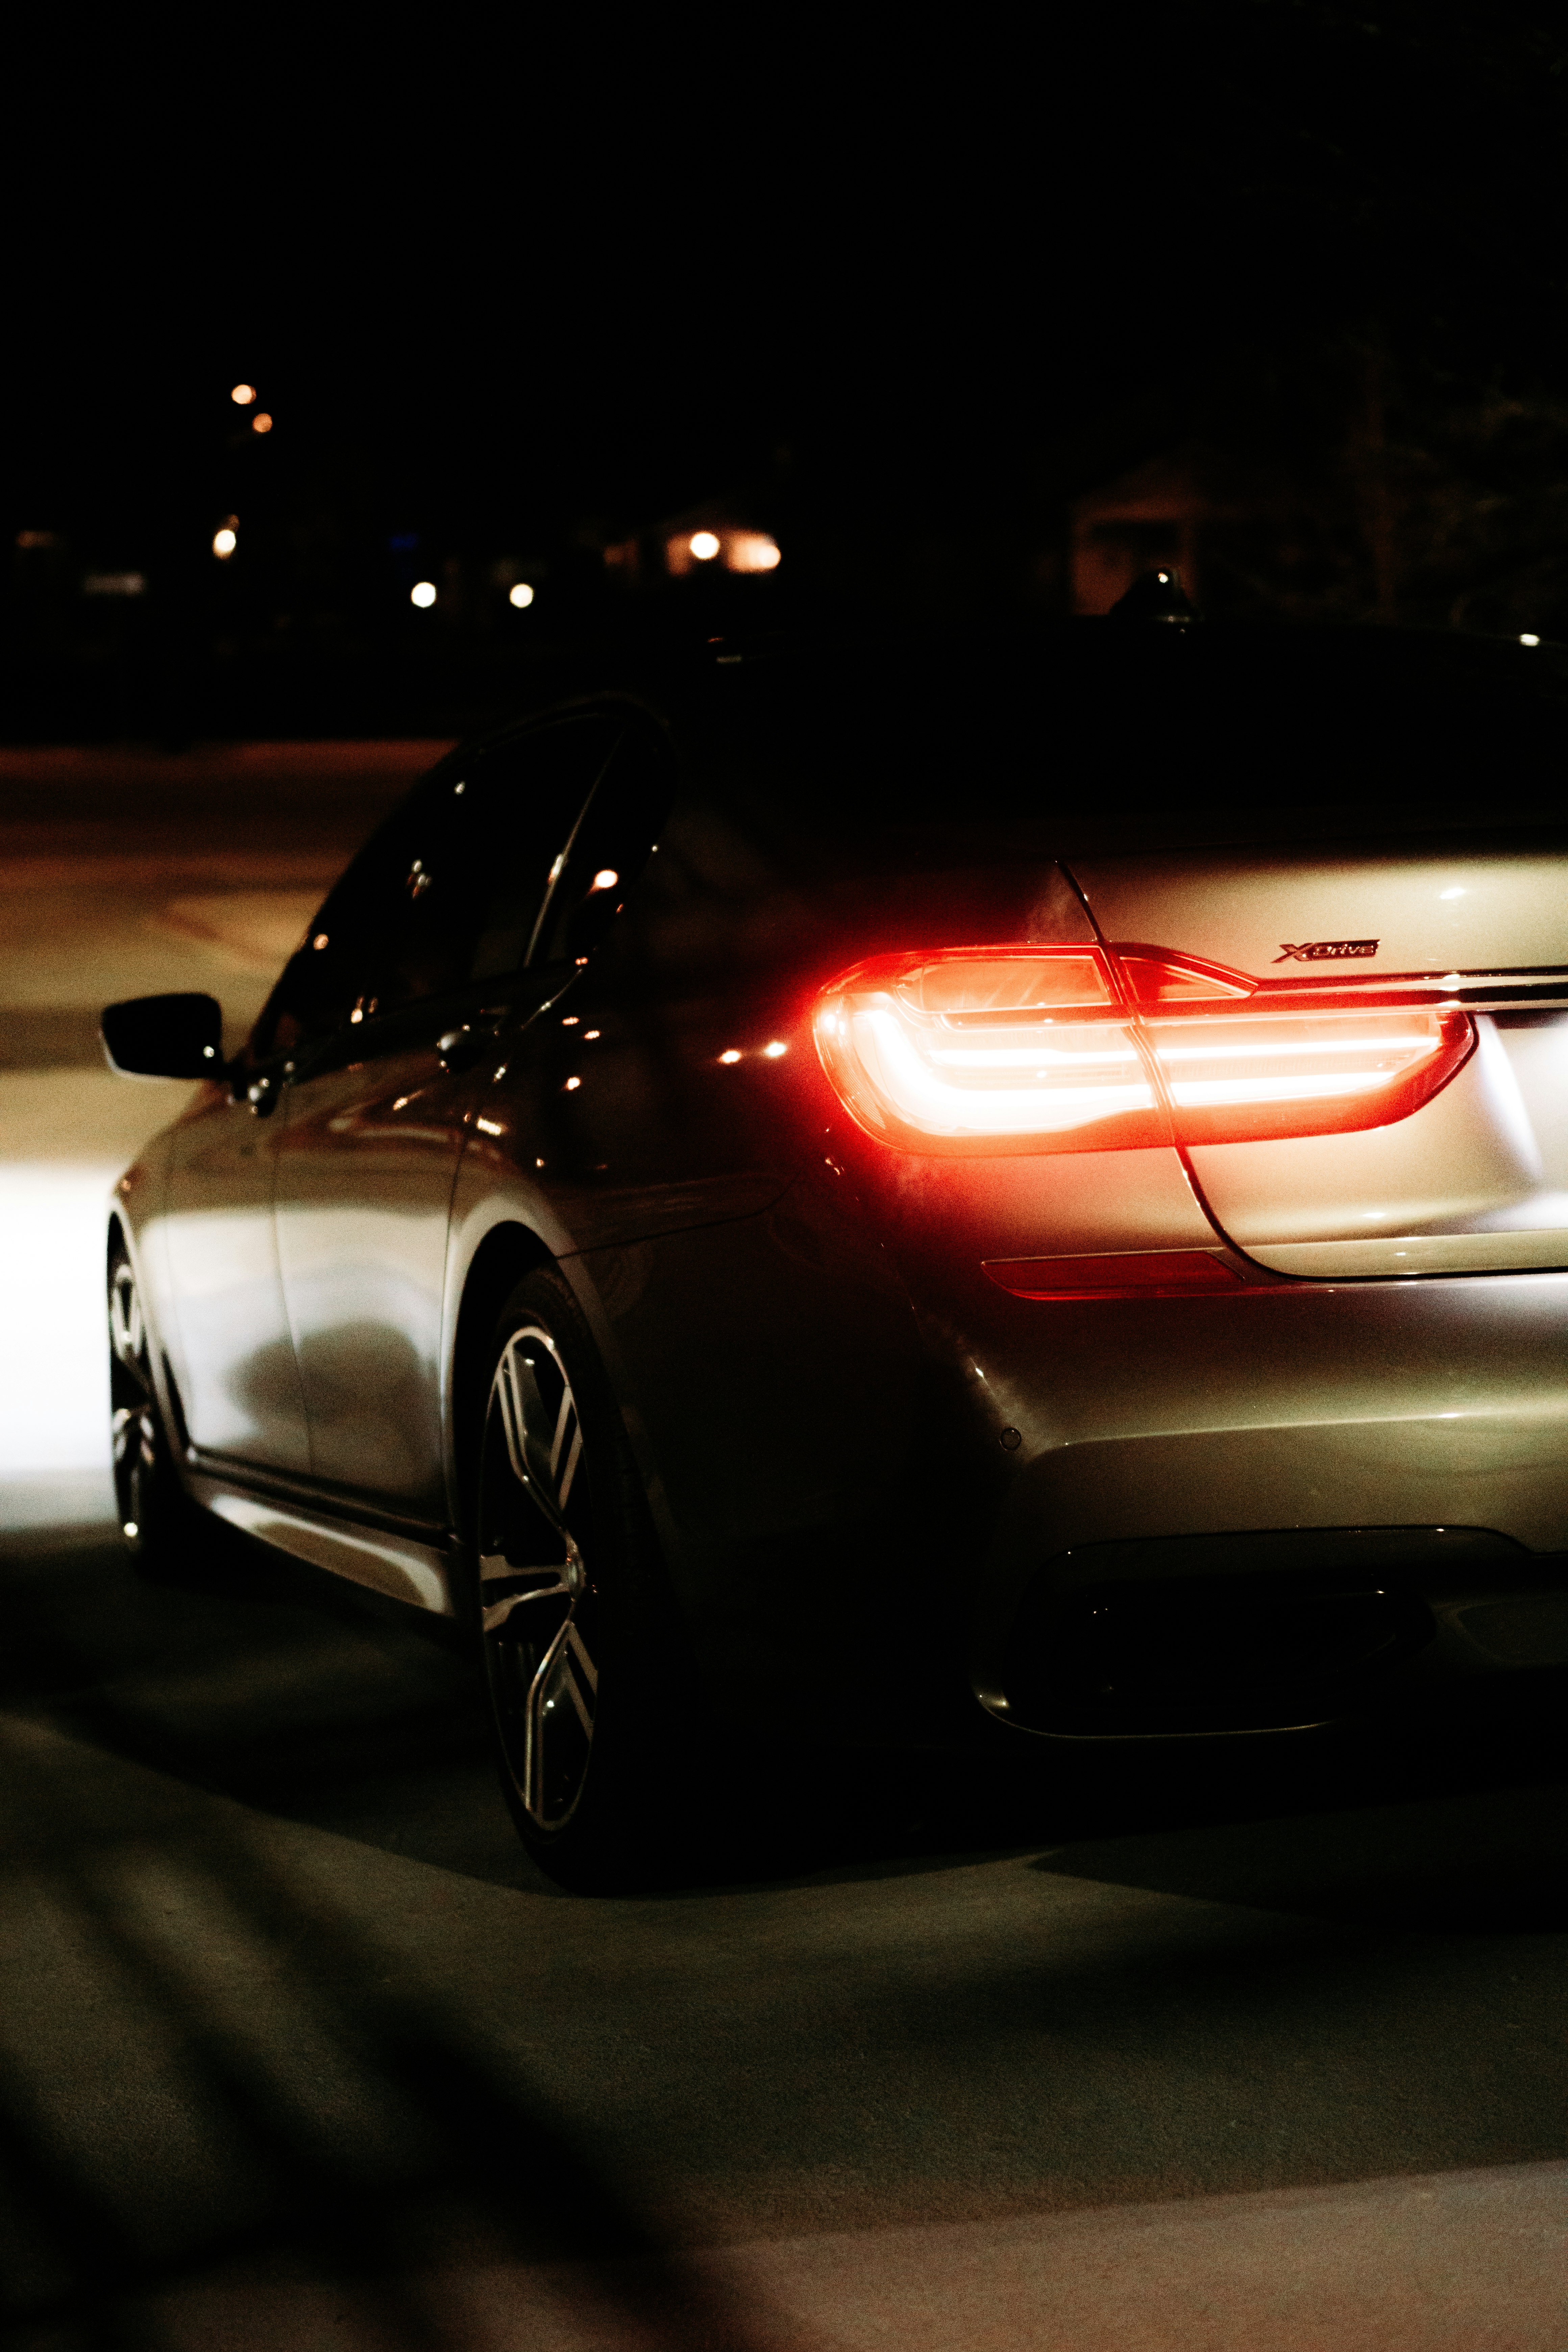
pixel 243 395
pixel 731 547
pixel 750 551
pixel 262 423
pixel 225 542
pixel 423 594
pixel 522 596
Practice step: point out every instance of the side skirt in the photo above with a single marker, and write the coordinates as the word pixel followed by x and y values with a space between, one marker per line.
pixel 393 1564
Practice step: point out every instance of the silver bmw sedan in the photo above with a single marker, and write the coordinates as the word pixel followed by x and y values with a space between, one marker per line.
pixel 961 1189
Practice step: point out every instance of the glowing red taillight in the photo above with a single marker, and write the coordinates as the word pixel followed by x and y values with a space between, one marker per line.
pixel 1232 1077
pixel 990 1049
pixel 1076 1049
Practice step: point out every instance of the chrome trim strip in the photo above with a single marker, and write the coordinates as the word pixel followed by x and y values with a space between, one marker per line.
pixel 1471 991
pixel 1393 1254
pixel 292 1494
pixel 418 1573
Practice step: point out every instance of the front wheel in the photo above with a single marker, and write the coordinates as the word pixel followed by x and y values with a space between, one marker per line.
pixel 584 1664
pixel 154 1513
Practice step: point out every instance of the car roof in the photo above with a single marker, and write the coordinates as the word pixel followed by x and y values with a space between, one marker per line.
pixel 1097 733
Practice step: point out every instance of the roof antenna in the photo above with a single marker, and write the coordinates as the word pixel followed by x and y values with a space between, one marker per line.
pixel 1157 597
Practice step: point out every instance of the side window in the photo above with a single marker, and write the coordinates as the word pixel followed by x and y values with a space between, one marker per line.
pixel 321 981
pixel 608 847
pixel 448 890
pixel 477 869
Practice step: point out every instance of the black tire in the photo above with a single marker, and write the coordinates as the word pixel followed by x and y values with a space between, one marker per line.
pixel 586 1669
pixel 157 1518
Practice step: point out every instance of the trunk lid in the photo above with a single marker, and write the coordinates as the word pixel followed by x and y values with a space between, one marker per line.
pixel 1476 1179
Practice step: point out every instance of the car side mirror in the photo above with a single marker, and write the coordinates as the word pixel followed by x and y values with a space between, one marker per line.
pixel 177 1036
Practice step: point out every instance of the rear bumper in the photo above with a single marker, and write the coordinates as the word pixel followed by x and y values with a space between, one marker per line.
pixel 1281 1414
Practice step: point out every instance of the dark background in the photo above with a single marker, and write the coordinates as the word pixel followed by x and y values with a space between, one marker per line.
pixel 905 292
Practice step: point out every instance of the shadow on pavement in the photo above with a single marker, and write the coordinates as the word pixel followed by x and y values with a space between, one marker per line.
pixel 286 1689
pixel 290 2028
pixel 1453 1829
pixel 211 2099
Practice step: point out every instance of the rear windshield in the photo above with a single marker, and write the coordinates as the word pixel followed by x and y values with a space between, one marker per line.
pixel 1101 736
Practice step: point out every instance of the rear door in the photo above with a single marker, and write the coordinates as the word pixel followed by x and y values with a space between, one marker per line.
pixel 239 1386
pixel 375 1120
pixel 1336 962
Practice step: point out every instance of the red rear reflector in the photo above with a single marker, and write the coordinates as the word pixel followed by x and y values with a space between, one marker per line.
pixel 1128 1274
pixel 1039 1049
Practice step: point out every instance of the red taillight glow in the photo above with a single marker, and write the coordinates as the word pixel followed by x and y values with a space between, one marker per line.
pixel 1230 1078
pixel 1074 1049
pixel 988 1049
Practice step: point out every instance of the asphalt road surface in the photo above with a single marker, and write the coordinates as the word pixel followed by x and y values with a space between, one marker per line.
pixel 1250 2048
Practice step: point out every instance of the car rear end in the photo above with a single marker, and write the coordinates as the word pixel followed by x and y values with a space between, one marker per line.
pixel 1232 1180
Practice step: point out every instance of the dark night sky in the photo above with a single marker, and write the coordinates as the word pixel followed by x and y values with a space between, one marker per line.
pixel 498 269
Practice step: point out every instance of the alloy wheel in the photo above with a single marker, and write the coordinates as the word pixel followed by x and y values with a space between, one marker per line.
pixel 135 1422
pixel 536 1588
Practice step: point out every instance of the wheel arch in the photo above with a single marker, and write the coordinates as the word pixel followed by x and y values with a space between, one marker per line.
pixel 122 1238
pixel 508 1252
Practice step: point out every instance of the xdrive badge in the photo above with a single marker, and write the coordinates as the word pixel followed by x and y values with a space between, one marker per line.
pixel 1321 950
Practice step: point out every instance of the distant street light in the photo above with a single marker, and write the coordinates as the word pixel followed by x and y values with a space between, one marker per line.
pixel 225 542
pixel 243 395
pixel 261 423
pixel 752 551
pixel 522 596
pixel 423 594
pixel 704 546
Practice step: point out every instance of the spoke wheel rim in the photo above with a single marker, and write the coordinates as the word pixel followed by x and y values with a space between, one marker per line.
pixel 537 1598
pixel 133 1422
